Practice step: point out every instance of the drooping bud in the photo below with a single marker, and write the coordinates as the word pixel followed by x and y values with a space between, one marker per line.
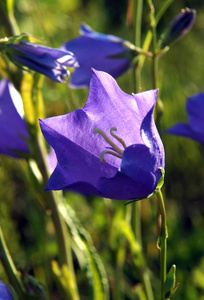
pixel 51 62
pixel 178 27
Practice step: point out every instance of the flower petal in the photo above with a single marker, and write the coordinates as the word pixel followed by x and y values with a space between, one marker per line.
pixel 78 149
pixel 99 51
pixel 193 130
pixel 195 110
pixel 75 163
pixel 13 130
pixel 48 61
pixel 5 294
pixel 185 130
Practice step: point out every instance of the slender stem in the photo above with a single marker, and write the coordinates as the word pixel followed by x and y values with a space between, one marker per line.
pixel 136 221
pixel 155 59
pixel 163 242
pixel 136 206
pixel 162 9
pixel 9 22
pixel 154 44
pixel 148 38
pixel 147 285
pixel 10 268
pixel 32 96
pixel 137 20
pixel 62 235
pixel 52 201
pixel 153 24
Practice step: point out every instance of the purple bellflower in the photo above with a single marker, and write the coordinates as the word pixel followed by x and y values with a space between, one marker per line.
pixel 14 134
pixel 92 158
pixel 194 129
pixel 13 130
pixel 178 27
pixel 51 62
pixel 102 52
pixel 5 294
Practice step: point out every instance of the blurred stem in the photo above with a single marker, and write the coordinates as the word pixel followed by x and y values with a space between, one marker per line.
pixel 63 238
pixel 147 285
pixel 10 268
pixel 163 242
pixel 32 93
pixel 8 21
pixel 52 202
pixel 37 96
pixel 137 21
pixel 136 221
pixel 147 41
pixel 155 83
pixel 136 206
pixel 162 9
pixel 154 44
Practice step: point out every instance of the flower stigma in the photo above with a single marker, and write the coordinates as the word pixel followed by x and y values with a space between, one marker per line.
pixel 115 150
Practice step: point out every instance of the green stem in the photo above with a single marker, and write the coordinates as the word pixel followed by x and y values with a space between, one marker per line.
pixel 136 221
pixel 147 285
pixel 10 268
pixel 51 199
pixel 31 94
pixel 34 109
pixel 136 206
pixel 163 242
pixel 137 20
pixel 154 44
pixel 159 104
pixel 162 9
pixel 9 21
pixel 154 59
pixel 147 41
pixel 62 235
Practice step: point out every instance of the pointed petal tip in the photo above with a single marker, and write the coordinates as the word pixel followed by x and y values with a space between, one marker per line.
pixel 98 73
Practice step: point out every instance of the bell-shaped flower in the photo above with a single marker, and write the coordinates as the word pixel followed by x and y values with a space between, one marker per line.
pixel 178 27
pixel 51 62
pixel 99 51
pixel 13 130
pixel 194 129
pixel 5 293
pixel 109 148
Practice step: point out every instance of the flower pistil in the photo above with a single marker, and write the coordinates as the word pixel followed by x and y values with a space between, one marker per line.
pixel 118 152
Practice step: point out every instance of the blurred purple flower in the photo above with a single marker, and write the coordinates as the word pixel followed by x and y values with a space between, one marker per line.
pixel 179 26
pixel 5 294
pixel 132 168
pixel 13 130
pixel 195 128
pixel 102 52
pixel 48 61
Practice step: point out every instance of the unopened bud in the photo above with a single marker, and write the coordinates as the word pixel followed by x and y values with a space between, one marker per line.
pixel 178 27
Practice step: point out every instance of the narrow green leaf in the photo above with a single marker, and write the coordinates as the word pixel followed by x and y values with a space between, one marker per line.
pixel 64 281
pixel 170 283
pixel 92 263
